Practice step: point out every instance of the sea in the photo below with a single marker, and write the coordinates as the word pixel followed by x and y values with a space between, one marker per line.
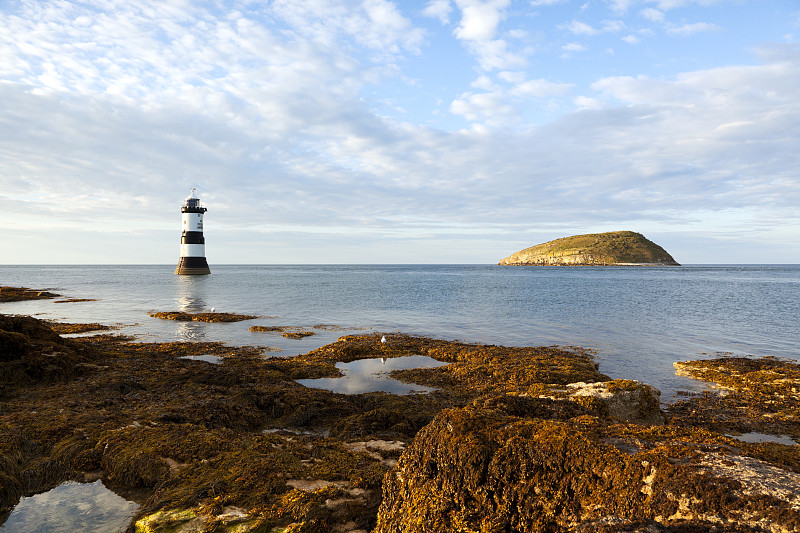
pixel 636 320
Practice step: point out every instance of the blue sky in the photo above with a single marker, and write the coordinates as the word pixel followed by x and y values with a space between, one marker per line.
pixel 447 131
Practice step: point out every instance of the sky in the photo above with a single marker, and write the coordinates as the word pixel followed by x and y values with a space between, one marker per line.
pixel 378 131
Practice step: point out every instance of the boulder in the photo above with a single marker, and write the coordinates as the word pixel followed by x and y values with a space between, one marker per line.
pixel 624 399
pixel 478 469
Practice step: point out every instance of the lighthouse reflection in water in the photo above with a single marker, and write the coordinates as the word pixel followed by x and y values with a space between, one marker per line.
pixel 192 299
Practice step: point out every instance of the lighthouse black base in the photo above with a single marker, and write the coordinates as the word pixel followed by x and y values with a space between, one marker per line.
pixel 193 266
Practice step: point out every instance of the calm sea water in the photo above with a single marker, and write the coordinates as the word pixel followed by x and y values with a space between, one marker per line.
pixel 639 320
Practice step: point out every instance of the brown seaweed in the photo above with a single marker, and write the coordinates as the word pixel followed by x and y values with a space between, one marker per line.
pixel 202 317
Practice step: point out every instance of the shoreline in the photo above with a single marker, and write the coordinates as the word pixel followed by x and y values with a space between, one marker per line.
pixel 242 443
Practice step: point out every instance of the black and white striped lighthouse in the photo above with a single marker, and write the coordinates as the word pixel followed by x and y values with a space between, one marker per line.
pixel 193 244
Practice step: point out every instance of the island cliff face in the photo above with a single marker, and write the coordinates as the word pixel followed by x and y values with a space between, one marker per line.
pixel 612 248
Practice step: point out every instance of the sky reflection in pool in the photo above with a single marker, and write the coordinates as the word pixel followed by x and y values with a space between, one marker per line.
pixel 371 375
pixel 72 506
pixel 208 358
pixel 764 437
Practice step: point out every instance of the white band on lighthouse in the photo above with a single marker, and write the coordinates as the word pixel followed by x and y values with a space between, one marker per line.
pixel 192 222
pixel 193 250
pixel 193 244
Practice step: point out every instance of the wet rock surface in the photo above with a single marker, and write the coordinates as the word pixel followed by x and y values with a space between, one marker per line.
pixel 514 439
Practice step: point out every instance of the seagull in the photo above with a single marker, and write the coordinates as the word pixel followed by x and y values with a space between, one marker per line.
pixel 212 309
pixel 383 339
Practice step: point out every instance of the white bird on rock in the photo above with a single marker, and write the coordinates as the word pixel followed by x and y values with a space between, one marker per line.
pixel 383 339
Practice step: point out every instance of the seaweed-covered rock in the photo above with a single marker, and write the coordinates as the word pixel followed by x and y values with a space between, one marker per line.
pixel 474 369
pixel 478 469
pixel 31 352
pixel 18 294
pixel 750 394
pixel 182 316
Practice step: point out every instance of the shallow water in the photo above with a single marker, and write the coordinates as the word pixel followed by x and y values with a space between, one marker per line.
pixel 765 437
pixel 639 320
pixel 84 507
pixel 207 358
pixel 371 375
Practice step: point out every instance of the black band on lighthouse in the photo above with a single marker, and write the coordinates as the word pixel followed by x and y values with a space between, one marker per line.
pixel 193 262
pixel 193 237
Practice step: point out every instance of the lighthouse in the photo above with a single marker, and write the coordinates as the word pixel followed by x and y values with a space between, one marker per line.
pixel 193 244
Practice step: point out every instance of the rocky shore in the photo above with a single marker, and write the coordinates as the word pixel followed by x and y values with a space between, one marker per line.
pixel 514 439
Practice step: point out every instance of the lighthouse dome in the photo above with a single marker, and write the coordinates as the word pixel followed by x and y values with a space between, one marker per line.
pixel 192 204
pixel 192 200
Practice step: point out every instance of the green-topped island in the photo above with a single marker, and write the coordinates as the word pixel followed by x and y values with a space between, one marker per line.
pixel 612 248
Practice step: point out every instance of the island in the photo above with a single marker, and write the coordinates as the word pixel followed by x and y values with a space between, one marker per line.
pixel 611 248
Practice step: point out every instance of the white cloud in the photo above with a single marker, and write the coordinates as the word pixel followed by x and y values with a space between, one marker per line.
pixel 488 107
pixel 653 14
pixel 689 29
pixel 584 102
pixel 581 28
pixel 478 29
pixel 495 55
pixel 574 47
pixel 620 6
pixel 498 105
pixel 539 89
pixel 439 9
pixel 538 3
pixel 376 24
pixel 479 19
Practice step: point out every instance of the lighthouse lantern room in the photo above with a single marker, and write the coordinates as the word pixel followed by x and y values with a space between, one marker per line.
pixel 193 244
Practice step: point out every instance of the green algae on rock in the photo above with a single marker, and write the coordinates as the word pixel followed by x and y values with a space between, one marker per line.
pixel 612 248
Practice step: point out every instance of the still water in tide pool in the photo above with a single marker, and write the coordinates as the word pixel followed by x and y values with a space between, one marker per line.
pixel 639 320
pixel 84 507
pixel 372 375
